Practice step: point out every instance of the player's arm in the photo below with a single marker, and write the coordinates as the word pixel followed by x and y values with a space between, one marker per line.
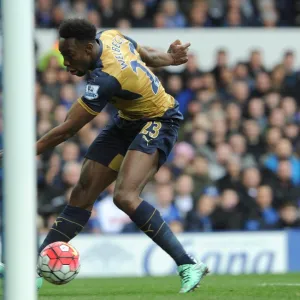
pixel 97 93
pixel 77 117
pixel 176 55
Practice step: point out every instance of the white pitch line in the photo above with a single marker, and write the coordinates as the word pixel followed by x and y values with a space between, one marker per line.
pixel 279 284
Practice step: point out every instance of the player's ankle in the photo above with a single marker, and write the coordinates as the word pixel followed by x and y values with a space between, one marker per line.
pixel 185 259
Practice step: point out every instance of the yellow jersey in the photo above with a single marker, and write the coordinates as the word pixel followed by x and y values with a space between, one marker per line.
pixel 120 77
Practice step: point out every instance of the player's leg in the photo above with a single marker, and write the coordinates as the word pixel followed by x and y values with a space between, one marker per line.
pixel 99 170
pixel 148 151
pixel 94 179
pixel 137 169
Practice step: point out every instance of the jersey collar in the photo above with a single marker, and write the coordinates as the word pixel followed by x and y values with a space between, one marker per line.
pixel 98 64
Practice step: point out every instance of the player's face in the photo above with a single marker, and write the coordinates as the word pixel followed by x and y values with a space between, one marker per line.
pixel 77 56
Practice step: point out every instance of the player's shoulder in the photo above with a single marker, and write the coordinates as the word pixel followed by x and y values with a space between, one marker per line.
pixel 113 52
pixel 108 33
pixel 99 82
pixel 108 38
pixel 117 38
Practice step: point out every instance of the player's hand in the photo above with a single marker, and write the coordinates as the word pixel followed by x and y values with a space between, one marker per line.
pixel 179 52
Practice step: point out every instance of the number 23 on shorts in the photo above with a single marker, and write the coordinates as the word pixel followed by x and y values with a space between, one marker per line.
pixel 152 129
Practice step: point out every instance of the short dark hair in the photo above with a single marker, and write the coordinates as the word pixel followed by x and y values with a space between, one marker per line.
pixel 77 28
pixel 289 53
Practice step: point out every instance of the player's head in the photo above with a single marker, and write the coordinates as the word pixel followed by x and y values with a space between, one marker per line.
pixel 77 45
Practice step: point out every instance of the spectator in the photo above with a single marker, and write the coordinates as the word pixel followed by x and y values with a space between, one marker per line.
pixel 70 175
pixel 217 166
pixel 255 64
pixel 160 20
pixel 239 148
pixel 200 142
pixel 284 188
pixel 289 106
pixel 67 95
pixel 270 18
pixel 265 216
pixel 227 215
pixel 191 68
pixel 183 199
pixel 251 179
pixel 60 114
pixel 107 218
pixel 57 184
pixel 79 10
pixel 272 101
pixel 201 219
pixel 94 18
pixel 284 151
pixel 255 144
pixel 43 127
pixel 233 18
pixel 222 62
pixel 262 85
pixel 44 107
pixel 234 116
pixel 70 152
pixel 292 133
pixel 87 135
pixel 289 216
pixel 123 24
pixel 240 93
pixel 43 14
pixel 225 83
pixel 200 173
pixel 231 180
pixel 138 16
pixel 174 85
pixel 218 129
pixel 277 118
pixel 58 203
pixel 233 112
pixel 50 84
pixel 200 13
pixel 273 135
pixel 277 77
pixel 198 16
pixel 183 156
pixel 174 18
pixel 164 176
pixel 164 203
pixel 58 16
pixel 290 79
pixel 241 73
pixel 256 111
pixel 108 15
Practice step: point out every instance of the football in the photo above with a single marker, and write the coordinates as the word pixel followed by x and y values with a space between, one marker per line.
pixel 59 263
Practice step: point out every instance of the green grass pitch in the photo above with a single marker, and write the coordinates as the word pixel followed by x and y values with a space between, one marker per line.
pixel 248 287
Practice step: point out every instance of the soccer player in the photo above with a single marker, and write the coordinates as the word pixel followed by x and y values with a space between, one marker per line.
pixel 133 146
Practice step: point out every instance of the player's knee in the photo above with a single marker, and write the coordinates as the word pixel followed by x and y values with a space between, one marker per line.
pixel 125 200
pixel 79 196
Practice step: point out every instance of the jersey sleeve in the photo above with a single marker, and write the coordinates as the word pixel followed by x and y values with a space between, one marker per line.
pixel 98 92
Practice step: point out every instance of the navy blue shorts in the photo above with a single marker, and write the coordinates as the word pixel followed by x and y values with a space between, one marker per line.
pixel 111 145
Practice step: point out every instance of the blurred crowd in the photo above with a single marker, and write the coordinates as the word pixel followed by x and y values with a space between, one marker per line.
pixel 170 13
pixel 236 165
